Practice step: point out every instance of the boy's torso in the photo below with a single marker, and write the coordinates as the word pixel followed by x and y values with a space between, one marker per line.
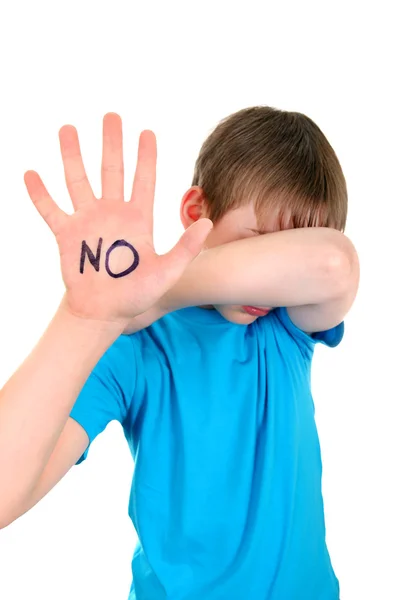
pixel 226 496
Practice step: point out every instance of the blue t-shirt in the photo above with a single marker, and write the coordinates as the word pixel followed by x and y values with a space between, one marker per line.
pixel 226 495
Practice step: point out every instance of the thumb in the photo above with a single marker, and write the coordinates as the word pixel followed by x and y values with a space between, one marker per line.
pixel 188 247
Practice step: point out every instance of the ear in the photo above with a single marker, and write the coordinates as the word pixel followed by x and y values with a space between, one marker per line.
pixel 193 206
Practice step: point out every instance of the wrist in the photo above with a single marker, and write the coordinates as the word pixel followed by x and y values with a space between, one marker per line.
pixel 97 327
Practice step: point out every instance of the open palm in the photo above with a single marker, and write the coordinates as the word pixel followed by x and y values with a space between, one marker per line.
pixel 109 266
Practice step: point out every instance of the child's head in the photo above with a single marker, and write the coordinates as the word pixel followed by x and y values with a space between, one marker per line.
pixel 263 170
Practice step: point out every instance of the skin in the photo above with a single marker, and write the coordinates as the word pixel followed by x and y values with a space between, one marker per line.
pixel 236 224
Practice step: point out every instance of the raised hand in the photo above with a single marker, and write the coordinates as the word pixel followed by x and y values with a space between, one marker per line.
pixel 110 269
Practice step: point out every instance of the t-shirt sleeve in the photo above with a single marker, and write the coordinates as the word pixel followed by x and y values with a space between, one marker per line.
pixel 330 337
pixel 108 391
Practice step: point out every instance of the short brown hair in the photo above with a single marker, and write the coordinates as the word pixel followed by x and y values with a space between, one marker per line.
pixel 278 159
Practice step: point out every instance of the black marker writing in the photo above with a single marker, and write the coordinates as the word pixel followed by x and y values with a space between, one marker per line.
pixel 133 265
pixel 94 260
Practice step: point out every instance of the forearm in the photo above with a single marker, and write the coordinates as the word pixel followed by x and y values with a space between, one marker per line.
pixel 295 267
pixel 36 401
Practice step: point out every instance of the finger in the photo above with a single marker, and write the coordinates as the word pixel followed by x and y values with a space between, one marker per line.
pixel 188 247
pixel 144 182
pixel 112 164
pixel 44 204
pixel 75 175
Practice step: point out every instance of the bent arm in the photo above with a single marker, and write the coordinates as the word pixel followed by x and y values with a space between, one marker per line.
pixel 313 271
pixel 36 402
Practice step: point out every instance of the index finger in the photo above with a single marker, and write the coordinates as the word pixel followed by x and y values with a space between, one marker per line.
pixel 144 182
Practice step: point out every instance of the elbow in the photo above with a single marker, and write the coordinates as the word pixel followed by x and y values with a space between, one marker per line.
pixel 344 269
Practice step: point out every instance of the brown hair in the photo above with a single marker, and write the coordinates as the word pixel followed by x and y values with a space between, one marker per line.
pixel 280 160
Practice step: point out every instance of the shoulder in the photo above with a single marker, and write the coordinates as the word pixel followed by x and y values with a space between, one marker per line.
pixel 281 327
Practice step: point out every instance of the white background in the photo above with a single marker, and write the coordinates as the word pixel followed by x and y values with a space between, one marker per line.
pixel 178 68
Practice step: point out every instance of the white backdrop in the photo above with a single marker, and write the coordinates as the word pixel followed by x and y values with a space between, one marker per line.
pixel 178 68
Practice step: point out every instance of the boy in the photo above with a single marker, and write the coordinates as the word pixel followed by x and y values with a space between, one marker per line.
pixel 211 379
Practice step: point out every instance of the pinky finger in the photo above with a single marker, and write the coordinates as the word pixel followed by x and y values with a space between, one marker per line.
pixel 44 204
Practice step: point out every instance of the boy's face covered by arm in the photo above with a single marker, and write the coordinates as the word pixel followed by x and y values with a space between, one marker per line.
pixel 312 271
pixel 237 224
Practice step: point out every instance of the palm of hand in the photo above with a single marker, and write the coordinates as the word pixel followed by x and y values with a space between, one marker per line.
pixel 109 266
